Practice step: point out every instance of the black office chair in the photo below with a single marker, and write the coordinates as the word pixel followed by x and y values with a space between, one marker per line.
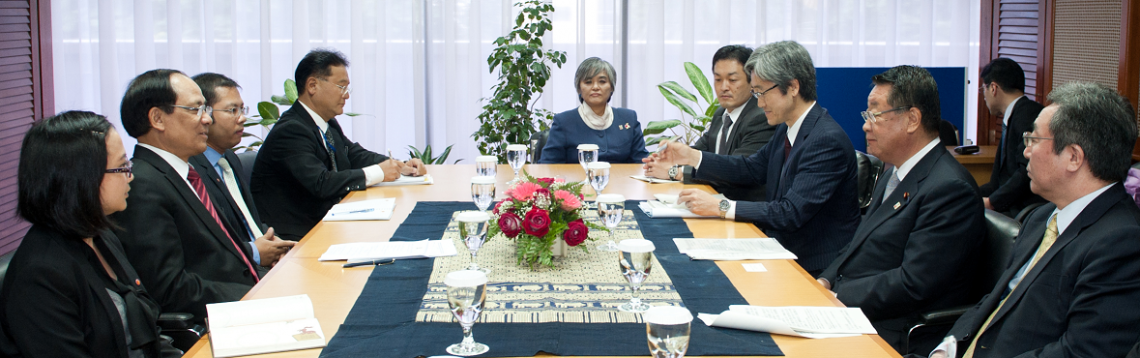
pixel 869 170
pixel 1001 230
pixel 247 158
pixel 537 141
pixel 948 133
pixel 1024 213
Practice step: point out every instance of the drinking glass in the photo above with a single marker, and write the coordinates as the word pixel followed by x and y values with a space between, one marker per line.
pixel 483 192
pixel 599 175
pixel 667 328
pixel 466 293
pixel 486 165
pixel 516 157
pixel 635 257
pixel 611 209
pixel 587 153
pixel 473 229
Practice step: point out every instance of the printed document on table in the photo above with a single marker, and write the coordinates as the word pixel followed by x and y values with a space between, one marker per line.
pixel 652 180
pixel 800 321
pixel 262 326
pixel 408 180
pixel 374 209
pixel 764 248
pixel 369 251
pixel 657 209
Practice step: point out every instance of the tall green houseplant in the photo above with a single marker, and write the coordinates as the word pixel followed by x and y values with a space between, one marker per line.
pixel 509 116
pixel 684 131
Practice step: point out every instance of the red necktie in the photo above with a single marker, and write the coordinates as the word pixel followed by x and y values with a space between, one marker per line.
pixel 204 197
pixel 787 148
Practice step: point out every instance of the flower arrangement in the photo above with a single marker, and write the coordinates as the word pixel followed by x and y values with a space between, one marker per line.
pixel 536 213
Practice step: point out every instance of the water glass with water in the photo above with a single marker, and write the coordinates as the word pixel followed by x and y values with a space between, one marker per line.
pixel 611 209
pixel 667 329
pixel 516 157
pixel 486 165
pixel 587 153
pixel 635 257
pixel 599 175
pixel 483 192
pixel 466 294
pixel 473 230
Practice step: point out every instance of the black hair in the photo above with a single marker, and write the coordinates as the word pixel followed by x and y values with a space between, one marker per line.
pixel 209 82
pixel 1006 72
pixel 1100 121
pixel 149 90
pixel 739 53
pixel 318 63
pixel 62 163
pixel 913 86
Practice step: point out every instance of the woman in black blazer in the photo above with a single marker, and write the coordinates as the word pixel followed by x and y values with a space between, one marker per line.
pixel 69 290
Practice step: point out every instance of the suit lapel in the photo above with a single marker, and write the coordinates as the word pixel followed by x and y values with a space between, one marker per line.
pixel 243 184
pixel 735 137
pixel 814 114
pixel 219 192
pixel 308 122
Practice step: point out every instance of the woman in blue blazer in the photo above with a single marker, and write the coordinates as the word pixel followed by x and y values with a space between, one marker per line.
pixel 615 130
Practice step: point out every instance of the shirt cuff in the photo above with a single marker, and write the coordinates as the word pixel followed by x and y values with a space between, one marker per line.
pixel 256 254
pixel 731 214
pixel 373 174
pixel 697 165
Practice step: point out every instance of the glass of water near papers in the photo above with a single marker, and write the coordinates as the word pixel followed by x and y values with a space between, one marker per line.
pixel 611 209
pixel 667 328
pixel 599 175
pixel 466 293
pixel 483 192
pixel 486 166
pixel 473 230
pixel 587 153
pixel 516 157
pixel 635 257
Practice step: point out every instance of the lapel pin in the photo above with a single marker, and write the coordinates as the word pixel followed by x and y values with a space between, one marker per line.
pixel 906 195
pixel 897 205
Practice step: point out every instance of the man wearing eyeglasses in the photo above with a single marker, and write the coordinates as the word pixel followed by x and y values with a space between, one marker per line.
pixel 223 173
pixel 185 253
pixel 307 164
pixel 808 168
pixel 912 251
pixel 1003 89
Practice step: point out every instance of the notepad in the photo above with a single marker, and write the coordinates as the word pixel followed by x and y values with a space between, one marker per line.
pixel 263 326
pixel 799 321
pixel 370 251
pixel 408 180
pixel 374 209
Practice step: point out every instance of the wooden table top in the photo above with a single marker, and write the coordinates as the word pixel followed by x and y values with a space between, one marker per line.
pixel 984 156
pixel 334 289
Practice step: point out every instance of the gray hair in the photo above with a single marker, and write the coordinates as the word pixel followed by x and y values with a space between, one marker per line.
pixel 1100 121
pixel 590 68
pixel 780 63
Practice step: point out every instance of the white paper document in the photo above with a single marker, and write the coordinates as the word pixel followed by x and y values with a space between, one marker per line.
pixel 764 248
pixel 657 209
pixel 263 326
pixel 374 209
pixel 652 180
pixel 799 321
pixel 369 251
pixel 408 180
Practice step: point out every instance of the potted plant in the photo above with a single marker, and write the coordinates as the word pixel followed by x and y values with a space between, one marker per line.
pixel 684 131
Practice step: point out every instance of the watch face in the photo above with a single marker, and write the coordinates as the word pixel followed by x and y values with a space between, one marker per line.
pixel 724 206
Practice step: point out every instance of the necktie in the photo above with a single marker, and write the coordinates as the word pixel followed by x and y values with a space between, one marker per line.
pixel 1001 145
pixel 331 147
pixel 787 148
pixel 891 184
pixel 1046 242
pixel 204 197
pixel 232 186
pixel 722 147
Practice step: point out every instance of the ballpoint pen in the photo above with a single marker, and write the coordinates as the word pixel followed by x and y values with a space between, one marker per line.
pixel 372 262
pixel 361 211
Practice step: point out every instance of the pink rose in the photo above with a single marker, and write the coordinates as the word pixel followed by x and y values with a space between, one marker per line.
pixel 524 191
pixel 511 224
pixel 575 233
pixel 569 201
pixel 537 222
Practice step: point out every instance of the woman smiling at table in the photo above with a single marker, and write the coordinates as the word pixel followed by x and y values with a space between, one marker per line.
pixel 615 130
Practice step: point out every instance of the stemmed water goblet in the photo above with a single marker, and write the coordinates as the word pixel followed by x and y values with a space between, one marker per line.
pixel 473 230
pixel 611 209
pixel 466 294
pixel 486 165
pixel 483 192
pixel 667 328
pixel 587 153
pixel 516 157
pixel 598 173
pixel 635 257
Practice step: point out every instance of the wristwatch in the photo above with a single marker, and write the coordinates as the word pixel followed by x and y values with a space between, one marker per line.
pixel 724 206
pixel 673 172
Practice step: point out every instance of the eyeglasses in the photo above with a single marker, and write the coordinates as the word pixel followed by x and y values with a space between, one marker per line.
pixel 197 110
pixel 344 90
pixel 234 111
pixel 873 117
pixel 125 170
pixel 757 95
pixel 1031 140
pixel 983 88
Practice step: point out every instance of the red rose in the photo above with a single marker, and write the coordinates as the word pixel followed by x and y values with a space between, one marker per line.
pixel 510 223
pixel 546 182
pixel 537 222
pixel 575 232
pixel 542 191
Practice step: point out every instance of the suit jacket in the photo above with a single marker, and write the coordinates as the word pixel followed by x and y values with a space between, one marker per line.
pixel 913 253
pixel 1079 300
pixel 616 144
pixel 1008 188
pixel 55 301
pixel 182 254
pixel 750 132
pixel 294 176
pixel 225 203
pixel 812 207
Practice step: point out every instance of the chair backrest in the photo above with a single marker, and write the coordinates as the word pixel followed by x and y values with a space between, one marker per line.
pixel 247 158
pixel 4 261
pixel 1001 230
pixel 869 170
pixel 948 134
pixel 537 141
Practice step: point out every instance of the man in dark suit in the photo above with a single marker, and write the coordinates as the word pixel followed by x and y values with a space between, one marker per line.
pixel 223 173
pixel 809 172
pixel 737 128
pixel 1003 88
pixel 1071 286
pixel 185 254
pixel 912 251
pixel 307 164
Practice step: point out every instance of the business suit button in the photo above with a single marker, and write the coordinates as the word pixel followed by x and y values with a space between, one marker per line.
pixel 840 278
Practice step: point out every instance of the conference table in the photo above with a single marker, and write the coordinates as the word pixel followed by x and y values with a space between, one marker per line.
pixel 980 164
pixel 334 289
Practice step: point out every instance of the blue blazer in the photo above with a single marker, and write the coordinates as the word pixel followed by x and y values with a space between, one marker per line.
pixel 812 207
pixel 616 144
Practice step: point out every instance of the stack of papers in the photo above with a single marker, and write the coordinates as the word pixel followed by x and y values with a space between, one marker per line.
pixel 407 180
pixel 809 322
pixel 371 251
pixel 375 209
pixel 263 326
pixel 666 207
pixel 652 180
pixel 764 248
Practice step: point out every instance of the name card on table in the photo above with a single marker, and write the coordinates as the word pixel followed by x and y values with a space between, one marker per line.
pixel 408 180
pixel 262 326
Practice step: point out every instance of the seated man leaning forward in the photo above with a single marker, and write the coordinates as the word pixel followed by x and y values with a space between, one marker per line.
pixel 307 164
pixel 912 252
pixel 809 168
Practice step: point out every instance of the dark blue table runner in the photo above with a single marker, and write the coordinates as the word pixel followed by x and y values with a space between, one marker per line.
pixel 382 322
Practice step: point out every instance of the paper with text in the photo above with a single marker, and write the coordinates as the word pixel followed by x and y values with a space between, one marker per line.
pixel 764 248
pixel 652 180
pixel 800 321
pixel 374 209
pixel 263 326
pixel 369 251
pixel 408 180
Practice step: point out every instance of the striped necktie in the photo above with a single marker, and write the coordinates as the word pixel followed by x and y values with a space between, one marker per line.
pixel 204 197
